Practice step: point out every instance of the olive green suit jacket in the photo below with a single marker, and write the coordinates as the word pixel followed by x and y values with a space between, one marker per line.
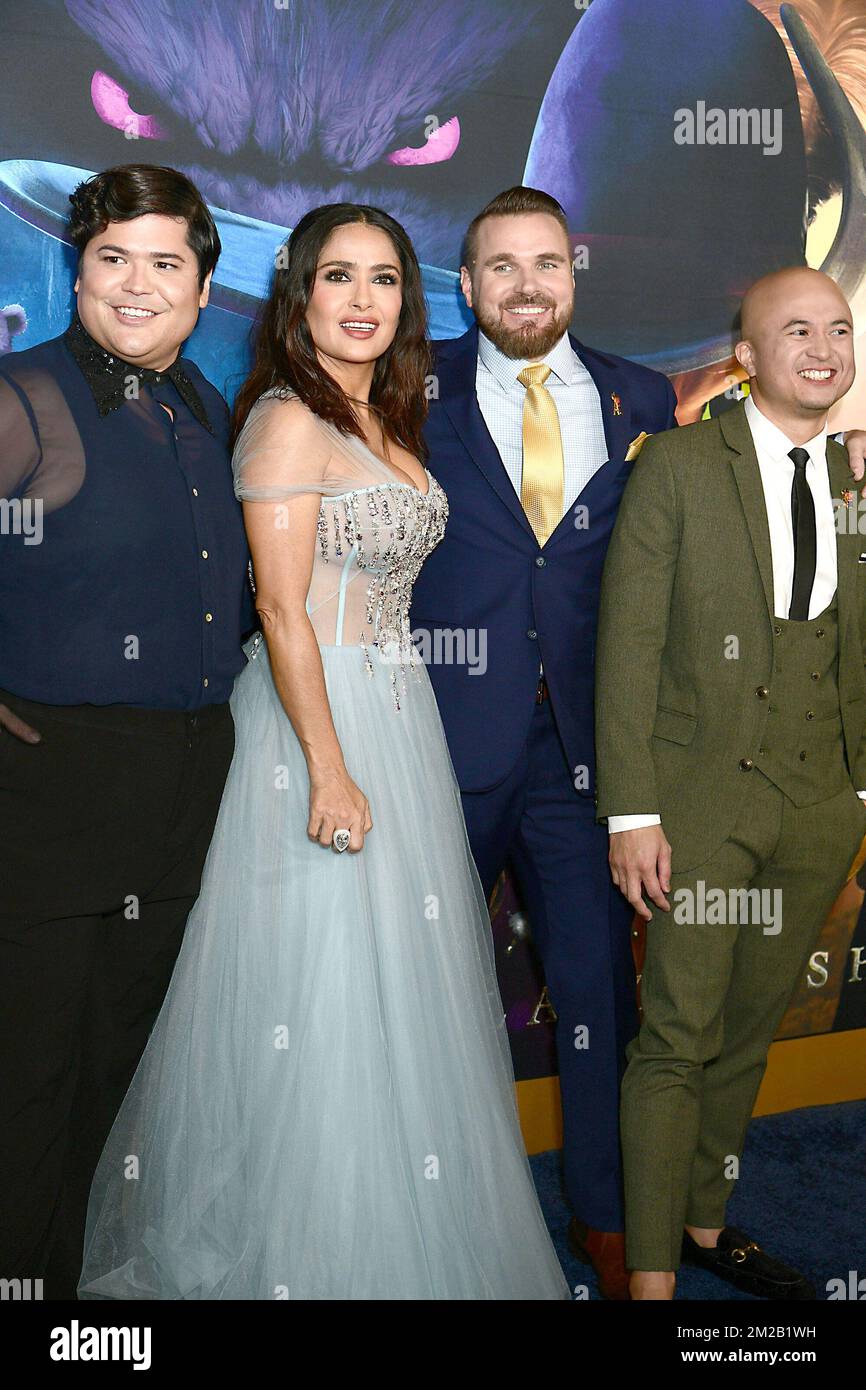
pixel 685 634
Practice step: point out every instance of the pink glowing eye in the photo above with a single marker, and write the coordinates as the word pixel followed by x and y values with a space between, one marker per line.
pixel 111 104
pixel 441 144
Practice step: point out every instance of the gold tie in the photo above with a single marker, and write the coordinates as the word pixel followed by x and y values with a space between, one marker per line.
pixel 541 486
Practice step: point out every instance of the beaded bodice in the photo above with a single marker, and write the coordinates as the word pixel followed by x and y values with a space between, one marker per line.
pixel 373 534
pixel 381 534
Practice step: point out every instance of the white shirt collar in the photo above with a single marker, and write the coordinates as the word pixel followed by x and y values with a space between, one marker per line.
pixel 561 360
pixel 776 444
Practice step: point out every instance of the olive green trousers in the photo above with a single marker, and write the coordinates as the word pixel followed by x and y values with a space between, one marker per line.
pixel 720 969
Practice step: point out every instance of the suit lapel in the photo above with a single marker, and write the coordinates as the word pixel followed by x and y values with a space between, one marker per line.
pixel 614 396
pixel 617 419
pixel 457 398
pixel 737 435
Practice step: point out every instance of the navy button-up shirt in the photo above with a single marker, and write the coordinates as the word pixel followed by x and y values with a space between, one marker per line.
pixel 123 558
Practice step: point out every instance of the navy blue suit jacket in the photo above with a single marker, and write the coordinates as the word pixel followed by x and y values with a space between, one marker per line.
pixel 490 575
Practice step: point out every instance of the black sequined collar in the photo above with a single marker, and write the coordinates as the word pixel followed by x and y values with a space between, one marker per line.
pixel 108 376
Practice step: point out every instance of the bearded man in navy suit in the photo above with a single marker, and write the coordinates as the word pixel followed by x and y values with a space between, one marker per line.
pixel 534 469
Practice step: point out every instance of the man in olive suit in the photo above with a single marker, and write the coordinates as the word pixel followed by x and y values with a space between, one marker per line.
pixel 730 712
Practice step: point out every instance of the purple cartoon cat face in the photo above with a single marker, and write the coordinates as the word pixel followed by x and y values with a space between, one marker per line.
pixel 280 109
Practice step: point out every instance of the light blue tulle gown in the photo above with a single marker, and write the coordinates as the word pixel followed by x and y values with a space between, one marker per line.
pixel 325 1107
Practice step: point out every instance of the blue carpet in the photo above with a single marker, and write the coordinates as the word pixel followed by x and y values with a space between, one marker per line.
pixel 800 1194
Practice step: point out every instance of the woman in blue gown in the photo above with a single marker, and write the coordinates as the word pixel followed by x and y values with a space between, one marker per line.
pixel 325 1107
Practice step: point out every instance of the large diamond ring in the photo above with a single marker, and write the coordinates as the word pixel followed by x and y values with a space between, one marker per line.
pixel 340 840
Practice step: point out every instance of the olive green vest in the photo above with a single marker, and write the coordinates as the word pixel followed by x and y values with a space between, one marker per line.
pixel 802 750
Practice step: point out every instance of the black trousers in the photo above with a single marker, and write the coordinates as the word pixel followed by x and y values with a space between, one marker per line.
pixel 104 829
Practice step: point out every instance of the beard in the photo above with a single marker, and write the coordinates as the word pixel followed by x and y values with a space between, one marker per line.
pixel 526 341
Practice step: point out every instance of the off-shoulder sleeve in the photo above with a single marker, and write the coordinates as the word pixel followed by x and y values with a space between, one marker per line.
pixel 285 450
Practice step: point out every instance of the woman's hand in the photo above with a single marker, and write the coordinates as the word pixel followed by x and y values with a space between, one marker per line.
pixel 336 803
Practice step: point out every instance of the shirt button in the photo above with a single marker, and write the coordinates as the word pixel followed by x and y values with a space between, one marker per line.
pixel 195 492
pixel 204 555
pixel 540 561
pixel 208 617
pixel 532 634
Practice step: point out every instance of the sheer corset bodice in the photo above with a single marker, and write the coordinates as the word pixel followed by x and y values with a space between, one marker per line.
pixel 373 532
pixel 372 542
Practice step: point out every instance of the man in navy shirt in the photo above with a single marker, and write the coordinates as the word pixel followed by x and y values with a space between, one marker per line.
pixel 123 605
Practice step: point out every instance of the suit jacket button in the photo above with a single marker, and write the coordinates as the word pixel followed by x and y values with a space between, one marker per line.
pixel 746 764
pixel 762 692
pixel 532 634
pixel 819 632
pixel 777 630
pixel 540 561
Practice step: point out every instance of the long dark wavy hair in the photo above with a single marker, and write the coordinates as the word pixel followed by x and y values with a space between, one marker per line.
pixel 285 355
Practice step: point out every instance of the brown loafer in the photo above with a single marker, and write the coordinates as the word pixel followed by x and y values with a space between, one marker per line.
pixel 605 1251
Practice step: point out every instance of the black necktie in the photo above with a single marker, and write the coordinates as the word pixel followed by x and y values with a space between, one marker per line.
pixel 805 537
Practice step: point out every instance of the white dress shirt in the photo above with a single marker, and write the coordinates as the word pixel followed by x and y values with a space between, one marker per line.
pixel 501 398
pixel 777 476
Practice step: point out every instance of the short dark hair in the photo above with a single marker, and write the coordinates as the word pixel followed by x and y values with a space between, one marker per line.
pixel 508 204
pixel 134 190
